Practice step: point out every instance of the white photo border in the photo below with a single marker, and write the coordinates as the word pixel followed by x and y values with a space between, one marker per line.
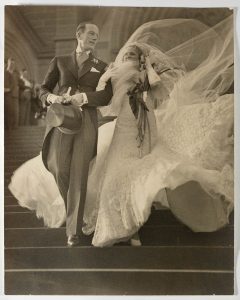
pixel 233 4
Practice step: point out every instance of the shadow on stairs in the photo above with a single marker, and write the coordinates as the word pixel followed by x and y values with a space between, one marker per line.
pixel 172 261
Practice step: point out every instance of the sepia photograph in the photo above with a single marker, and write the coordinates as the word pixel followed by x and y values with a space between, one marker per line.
pixel 118 150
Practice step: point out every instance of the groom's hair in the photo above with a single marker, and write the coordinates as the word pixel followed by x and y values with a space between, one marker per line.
pixel 82 26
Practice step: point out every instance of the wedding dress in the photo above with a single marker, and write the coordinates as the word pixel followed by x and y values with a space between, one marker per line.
pixel 191 140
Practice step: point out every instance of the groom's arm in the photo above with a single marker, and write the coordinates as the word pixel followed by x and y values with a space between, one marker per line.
pixel 100 98
pixel 49 82
pixel 97 98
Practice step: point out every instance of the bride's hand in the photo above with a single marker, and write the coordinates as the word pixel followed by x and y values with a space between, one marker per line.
pixel 109 73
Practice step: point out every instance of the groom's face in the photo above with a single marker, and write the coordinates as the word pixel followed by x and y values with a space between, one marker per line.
pixel 89 37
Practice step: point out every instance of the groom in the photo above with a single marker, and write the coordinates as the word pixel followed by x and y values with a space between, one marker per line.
pixel 67 153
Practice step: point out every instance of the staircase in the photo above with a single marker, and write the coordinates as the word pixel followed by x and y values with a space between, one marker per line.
pixel 172 261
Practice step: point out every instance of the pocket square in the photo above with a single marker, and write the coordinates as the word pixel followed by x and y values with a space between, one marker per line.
pixel 94 70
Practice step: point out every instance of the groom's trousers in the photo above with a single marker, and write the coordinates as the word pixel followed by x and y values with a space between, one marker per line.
pixel 68 160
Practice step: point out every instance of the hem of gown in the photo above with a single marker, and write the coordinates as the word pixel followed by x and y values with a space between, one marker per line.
pixel 39 211
pixel 112 241
pixel 221 202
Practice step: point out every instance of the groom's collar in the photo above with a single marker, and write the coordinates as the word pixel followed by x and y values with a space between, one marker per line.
pixel 80 50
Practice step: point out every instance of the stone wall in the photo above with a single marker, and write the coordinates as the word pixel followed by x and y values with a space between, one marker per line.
pixel 34 34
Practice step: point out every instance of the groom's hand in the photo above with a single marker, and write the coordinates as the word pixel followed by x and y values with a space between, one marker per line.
pixel 79 99
pixel 67 96
pixel 51 98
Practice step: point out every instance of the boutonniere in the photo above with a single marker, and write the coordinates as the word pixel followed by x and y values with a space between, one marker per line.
pixel 95 60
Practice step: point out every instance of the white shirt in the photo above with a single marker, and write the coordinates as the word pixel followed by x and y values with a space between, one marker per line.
pixel 78 52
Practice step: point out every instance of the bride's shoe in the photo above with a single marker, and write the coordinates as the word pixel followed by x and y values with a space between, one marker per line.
pixel 135 243
pixel 135 240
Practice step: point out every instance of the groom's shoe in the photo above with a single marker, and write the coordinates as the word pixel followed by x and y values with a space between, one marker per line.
pixel 73 240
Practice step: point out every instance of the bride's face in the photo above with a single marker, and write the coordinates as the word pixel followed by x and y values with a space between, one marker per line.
pixel 131 54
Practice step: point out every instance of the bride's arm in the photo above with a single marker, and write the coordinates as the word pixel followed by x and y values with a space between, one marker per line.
pixel 106 77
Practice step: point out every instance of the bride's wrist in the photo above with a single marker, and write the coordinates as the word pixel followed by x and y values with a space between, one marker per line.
pixel 101 85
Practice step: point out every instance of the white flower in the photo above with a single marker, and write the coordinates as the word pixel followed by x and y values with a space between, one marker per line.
pixel 95 60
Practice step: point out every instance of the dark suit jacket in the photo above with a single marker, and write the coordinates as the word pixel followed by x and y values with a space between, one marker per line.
pixel 63 71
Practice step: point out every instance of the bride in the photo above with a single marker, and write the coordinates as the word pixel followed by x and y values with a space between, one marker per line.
pixel 187 137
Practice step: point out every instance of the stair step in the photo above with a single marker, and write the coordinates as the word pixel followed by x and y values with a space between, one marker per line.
pixel 12 167
pixel 22 220
pixel 182 236
pixel 150 236
pixel 16 146
pixel 40 237
pixel 159 218
pixel 25 132
pixel 9 199
pixel 118 283
pixel 21 156
pixel 13 164
pixel 15 208
pixel 167 215
pixel 23 143
pixel 21 150
pixel 7 180
pixel 172 261
pixel 161 257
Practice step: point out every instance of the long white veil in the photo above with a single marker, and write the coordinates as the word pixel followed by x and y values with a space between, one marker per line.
pixel 206 54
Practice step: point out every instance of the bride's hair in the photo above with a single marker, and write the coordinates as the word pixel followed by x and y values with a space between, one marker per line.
pixel 136 48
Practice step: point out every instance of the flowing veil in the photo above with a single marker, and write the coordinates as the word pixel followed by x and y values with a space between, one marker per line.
pixel 205 53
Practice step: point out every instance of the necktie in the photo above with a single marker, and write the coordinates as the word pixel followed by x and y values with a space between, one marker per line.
pixel 81 57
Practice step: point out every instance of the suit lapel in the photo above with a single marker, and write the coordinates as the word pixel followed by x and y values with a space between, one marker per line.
pixel 71 64
pixel 87 65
